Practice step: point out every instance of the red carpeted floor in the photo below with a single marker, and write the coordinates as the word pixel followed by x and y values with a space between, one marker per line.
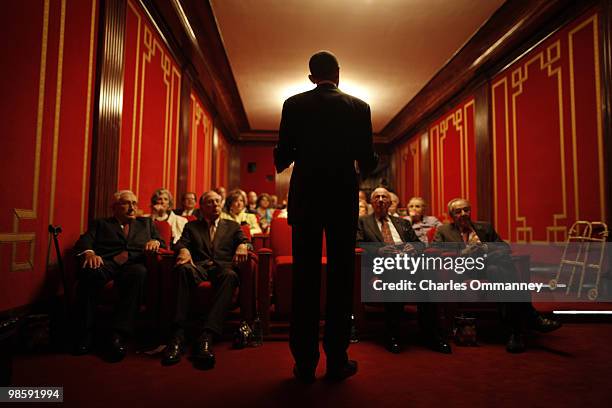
pixel 571 367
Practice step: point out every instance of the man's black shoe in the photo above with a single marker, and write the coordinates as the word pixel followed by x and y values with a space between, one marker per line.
pixel 515 344
pixel 117 348
pixel 82 345
pixel 392 345
pixel 173 352
pixel 203 357
pixel 544 324
pixel 343 372
pixel 440 345
pixel 304 376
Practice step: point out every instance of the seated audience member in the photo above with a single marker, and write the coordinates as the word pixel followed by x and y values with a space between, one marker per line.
pixel 473 237
pixel 394 204
pixel 161 210
pixel 188 209
pixel 235 210
pixel 273 202
pixel 222 192
pixel 421 223
pixel 363 208
pixel 251 202
pixel 264 212
pixel 380 227
pixel 209 249
pixel 113 249
pixel 363 196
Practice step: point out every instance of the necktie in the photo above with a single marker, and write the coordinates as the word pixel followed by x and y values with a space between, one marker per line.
pixel 123 256
pixel 213 229
pixel 386 231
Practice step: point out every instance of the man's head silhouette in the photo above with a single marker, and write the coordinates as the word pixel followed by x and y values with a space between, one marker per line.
pixel 324 67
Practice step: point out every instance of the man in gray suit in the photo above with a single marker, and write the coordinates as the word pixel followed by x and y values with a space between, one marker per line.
pixel 323 132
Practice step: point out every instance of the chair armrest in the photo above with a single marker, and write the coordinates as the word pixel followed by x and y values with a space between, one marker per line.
pixel 264 270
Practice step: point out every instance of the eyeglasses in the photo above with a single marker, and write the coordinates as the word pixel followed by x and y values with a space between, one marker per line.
pixel 459 211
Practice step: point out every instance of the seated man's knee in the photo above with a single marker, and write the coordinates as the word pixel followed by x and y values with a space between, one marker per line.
pixel 136 272
pixel 229 274
pixel 93 276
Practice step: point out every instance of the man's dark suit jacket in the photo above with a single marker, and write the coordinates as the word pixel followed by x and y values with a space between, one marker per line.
pixel 368 230
pixel 105 237
pixel 450 233
pixel 323 131
pixel 196 239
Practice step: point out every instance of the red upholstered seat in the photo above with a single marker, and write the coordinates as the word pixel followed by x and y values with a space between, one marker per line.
pixel 282 266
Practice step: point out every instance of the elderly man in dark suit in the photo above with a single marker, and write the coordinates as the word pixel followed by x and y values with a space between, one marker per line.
pixel 381 227
pixel 323 132
pixel 208 250
pixel 114 249
pixel 480 237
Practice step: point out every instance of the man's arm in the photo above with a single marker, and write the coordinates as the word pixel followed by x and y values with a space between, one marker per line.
pixel 181 248
pixel 242 245
pixel 284 152
pixel 360 232
pixel 156 241
pixel 366 158
pixel 85 247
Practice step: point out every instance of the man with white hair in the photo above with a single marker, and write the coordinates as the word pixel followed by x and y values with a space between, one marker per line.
pixel 114 249
pixel 382 227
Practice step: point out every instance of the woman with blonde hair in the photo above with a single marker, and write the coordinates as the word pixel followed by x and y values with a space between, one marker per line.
pixel 235 210
pixel 162 204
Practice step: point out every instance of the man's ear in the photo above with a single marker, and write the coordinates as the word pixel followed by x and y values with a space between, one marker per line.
pixel 312 79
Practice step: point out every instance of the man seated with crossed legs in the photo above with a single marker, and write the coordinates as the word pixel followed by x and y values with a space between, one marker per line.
pixel 476 234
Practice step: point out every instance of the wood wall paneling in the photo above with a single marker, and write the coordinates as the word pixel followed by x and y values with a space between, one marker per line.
pixel 108 115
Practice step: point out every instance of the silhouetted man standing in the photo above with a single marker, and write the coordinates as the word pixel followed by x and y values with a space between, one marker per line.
pixel 323 132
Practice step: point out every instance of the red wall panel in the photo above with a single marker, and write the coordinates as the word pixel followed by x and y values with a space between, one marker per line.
pixel 148 156
pixel 46 131
pixel 453 158
pixel 547 137
pixel 221 160
pixel 258 181
pixel 408 170
pixel 199 156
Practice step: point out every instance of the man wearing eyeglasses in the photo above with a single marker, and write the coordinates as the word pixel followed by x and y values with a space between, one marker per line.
pixel 480 237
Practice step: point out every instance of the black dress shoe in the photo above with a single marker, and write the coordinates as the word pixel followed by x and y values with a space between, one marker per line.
pixel 392 345
pixel 515 344
pixel 173 352
pixel 440 345
pixel 82 345
pixel 343 372
pixel 304 376
pixel 117 348
pixel 203 357
pixel 544 324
